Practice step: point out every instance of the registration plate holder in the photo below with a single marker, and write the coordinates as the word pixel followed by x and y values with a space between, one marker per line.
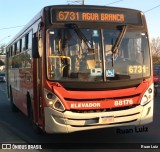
pixel 106 119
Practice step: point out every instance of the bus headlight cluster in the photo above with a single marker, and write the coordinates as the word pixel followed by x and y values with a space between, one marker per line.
pixel 148 95
pixel 53 101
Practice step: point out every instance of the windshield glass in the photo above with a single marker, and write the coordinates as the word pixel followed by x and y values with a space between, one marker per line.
pixel 131 60
pixel 71 57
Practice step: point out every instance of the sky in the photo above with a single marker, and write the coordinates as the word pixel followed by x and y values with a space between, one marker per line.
pixel 14 14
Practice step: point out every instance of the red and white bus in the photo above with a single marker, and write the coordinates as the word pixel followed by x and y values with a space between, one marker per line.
pixel 74 68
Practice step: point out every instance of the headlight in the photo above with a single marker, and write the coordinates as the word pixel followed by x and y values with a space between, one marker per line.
pixel 148 95
pixel 53 101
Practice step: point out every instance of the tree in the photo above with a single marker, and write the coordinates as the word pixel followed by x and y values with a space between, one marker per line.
pixel 2 49
pixel 155 48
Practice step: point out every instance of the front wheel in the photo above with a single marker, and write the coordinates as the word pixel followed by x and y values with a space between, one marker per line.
pixel 31 118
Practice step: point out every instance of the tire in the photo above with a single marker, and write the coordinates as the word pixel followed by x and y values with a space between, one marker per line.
pixel 13 106
pixel 36 129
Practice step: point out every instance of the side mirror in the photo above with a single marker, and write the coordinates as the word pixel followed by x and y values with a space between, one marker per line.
pixel 40 43
pixel 37 44
pixel 35 53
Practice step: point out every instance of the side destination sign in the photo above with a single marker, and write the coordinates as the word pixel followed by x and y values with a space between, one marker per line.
pixel 108 16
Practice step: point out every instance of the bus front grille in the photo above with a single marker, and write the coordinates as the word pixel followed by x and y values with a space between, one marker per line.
pixel 104 110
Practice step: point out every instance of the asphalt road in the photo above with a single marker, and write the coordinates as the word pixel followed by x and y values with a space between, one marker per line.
pixel 15 128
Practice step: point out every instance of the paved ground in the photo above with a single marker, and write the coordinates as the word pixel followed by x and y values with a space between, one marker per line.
pixel 8 136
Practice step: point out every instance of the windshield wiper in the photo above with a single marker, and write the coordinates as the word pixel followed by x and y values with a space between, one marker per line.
pixel 118 42
pixel 80 35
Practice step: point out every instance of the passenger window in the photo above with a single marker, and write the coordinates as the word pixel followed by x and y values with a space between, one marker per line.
pixel 15 48
pixel 26 42
pixel 23 44
pixel 18 47
pixel 30 40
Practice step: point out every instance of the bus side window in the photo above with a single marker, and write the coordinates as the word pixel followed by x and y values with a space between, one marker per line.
pixel 15 48
pixel 18 47
pixel 30 40
pixel 23 47
pixel 26 42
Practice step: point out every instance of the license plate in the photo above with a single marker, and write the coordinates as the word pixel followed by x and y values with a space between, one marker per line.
pixel 106 119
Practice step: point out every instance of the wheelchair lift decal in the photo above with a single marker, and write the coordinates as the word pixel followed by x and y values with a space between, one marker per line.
pixel 110 73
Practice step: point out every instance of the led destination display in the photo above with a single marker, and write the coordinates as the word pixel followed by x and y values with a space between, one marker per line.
pixel 106 16
pixel 86 16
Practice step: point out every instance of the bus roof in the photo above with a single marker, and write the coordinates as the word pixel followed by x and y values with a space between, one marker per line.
pixel 76 7
pixel 91 6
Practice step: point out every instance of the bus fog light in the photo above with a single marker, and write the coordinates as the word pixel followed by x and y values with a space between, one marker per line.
pixel 145 99
pixel 148 95
pixel 50 102
pixel 53 101
pixel 49 95
pixel 58 105
pixel 150 90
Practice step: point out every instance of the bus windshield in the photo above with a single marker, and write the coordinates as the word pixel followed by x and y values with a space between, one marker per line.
pixel 89 54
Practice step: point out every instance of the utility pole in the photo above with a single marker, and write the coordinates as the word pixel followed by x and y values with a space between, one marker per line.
pixel 83 2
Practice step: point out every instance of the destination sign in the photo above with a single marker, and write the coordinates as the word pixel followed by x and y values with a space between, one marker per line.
pixel 88 15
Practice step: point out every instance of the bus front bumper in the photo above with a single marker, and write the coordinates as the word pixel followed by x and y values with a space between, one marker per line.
pixel 68 121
